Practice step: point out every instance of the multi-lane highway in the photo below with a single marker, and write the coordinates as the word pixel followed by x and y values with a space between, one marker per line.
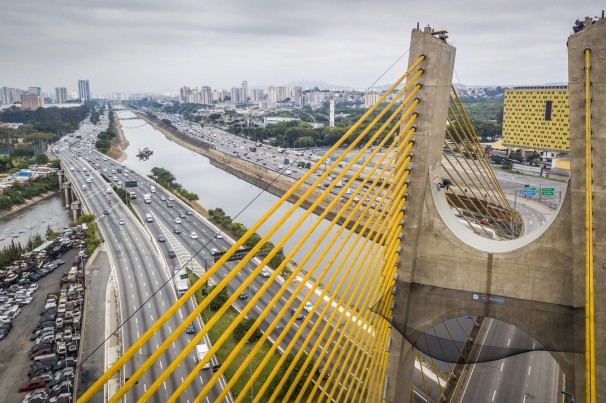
pixel 140 270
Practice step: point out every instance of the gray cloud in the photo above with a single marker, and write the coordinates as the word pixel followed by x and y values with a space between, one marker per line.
pixel 136 46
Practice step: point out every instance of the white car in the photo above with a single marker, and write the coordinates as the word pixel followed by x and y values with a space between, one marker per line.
pixel 308 306
pixel 265 273
pixel 194 235
pixel 219 236
pixel 178 220
pixel 171 198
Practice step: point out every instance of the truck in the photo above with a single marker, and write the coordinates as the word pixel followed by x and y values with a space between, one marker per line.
pixel 152 188
pixel 286 161
pixel 301 164
pixel 132 194
pixel 182 284
pixel 201 350
pixel 147 198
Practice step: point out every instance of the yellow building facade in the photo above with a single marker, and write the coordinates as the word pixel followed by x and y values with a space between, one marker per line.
pixel 536 118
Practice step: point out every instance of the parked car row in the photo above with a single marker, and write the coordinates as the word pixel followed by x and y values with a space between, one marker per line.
pixel 56 342
pixel 18 280
pixel 12 300
pixel 34 265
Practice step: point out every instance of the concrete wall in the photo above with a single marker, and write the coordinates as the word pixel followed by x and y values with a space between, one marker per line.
pixel 593 37
pixel 542 281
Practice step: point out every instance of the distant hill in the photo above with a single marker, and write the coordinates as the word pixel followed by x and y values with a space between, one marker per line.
pixel 311 84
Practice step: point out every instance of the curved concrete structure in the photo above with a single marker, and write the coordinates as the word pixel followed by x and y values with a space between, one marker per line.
pixel 538 281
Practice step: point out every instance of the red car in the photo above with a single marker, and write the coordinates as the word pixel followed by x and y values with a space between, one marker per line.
pixel 33 384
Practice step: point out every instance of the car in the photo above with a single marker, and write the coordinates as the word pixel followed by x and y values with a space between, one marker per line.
pixel 105 212
pixel 178 220
pixel 308 306
pixel 177 230
pixel 163 198
pixel 181 214
pixel 35 396
pixel 189 212
pixel 299 316
pixel 172 253
pixel 169 204
pixel 171 198
pixel 161 238
pixel 193 235
pixel 33 384
pixel 219 235
pixel 243 296
pixel 121 221
pixel 190 329
pixel 265 273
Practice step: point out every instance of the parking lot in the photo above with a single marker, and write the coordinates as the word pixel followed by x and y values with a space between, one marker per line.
pixel 14 360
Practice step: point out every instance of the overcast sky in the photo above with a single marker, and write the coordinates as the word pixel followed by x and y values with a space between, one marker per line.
pixel 152 45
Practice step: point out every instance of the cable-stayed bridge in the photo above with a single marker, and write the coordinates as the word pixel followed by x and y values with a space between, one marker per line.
pixel 420 233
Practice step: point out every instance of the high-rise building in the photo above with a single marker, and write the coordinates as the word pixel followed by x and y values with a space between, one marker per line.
pixel 31 102
pixel 371 98
pixel 235 95
pixel 536 118
pixel 257 95
pixel 34 91
pixel 9 95
pixel 60 95
pixel 84 90
pixel 184 93
pixel 244 92
pixel 297 96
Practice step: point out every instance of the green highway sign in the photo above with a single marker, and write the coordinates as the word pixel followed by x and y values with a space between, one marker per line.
pixel 547 191
pixel 529 191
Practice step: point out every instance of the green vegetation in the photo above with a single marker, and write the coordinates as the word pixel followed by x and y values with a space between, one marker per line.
pixel 123 195
pixel 225 222
pixel 92 240
pixel 13 252
pixel 105 138
pixel 27 144
pixel 243 327
pixel 219 329
pixel 94 117
pixel 167 122
pixel 58 121
pixel 20 192
pixel 165 178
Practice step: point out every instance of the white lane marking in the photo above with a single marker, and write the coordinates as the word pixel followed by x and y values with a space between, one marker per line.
pixel 494 394
pixel 529 368
pixel 503 363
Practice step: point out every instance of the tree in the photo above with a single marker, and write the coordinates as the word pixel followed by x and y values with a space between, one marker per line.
pixel 163 176
pixel 291 377
pixel 219 300
pixel 243 327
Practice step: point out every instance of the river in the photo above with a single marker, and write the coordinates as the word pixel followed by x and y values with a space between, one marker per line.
pixel 34 220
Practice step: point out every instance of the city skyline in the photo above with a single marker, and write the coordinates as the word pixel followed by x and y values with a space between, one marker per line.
pixel 155 46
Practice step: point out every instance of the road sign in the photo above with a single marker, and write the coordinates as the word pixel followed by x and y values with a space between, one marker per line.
pixel 238 255
pixel 547 191
pixel 130 184
pixel 529 191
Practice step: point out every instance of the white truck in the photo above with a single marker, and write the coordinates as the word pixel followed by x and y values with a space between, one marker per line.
pixel 201 351
pixel 181 284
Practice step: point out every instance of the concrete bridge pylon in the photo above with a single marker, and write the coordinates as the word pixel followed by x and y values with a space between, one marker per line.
pixel 536 283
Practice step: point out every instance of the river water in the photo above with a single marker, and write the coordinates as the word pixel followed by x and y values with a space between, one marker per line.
pixel 243 202
pixel 34 220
